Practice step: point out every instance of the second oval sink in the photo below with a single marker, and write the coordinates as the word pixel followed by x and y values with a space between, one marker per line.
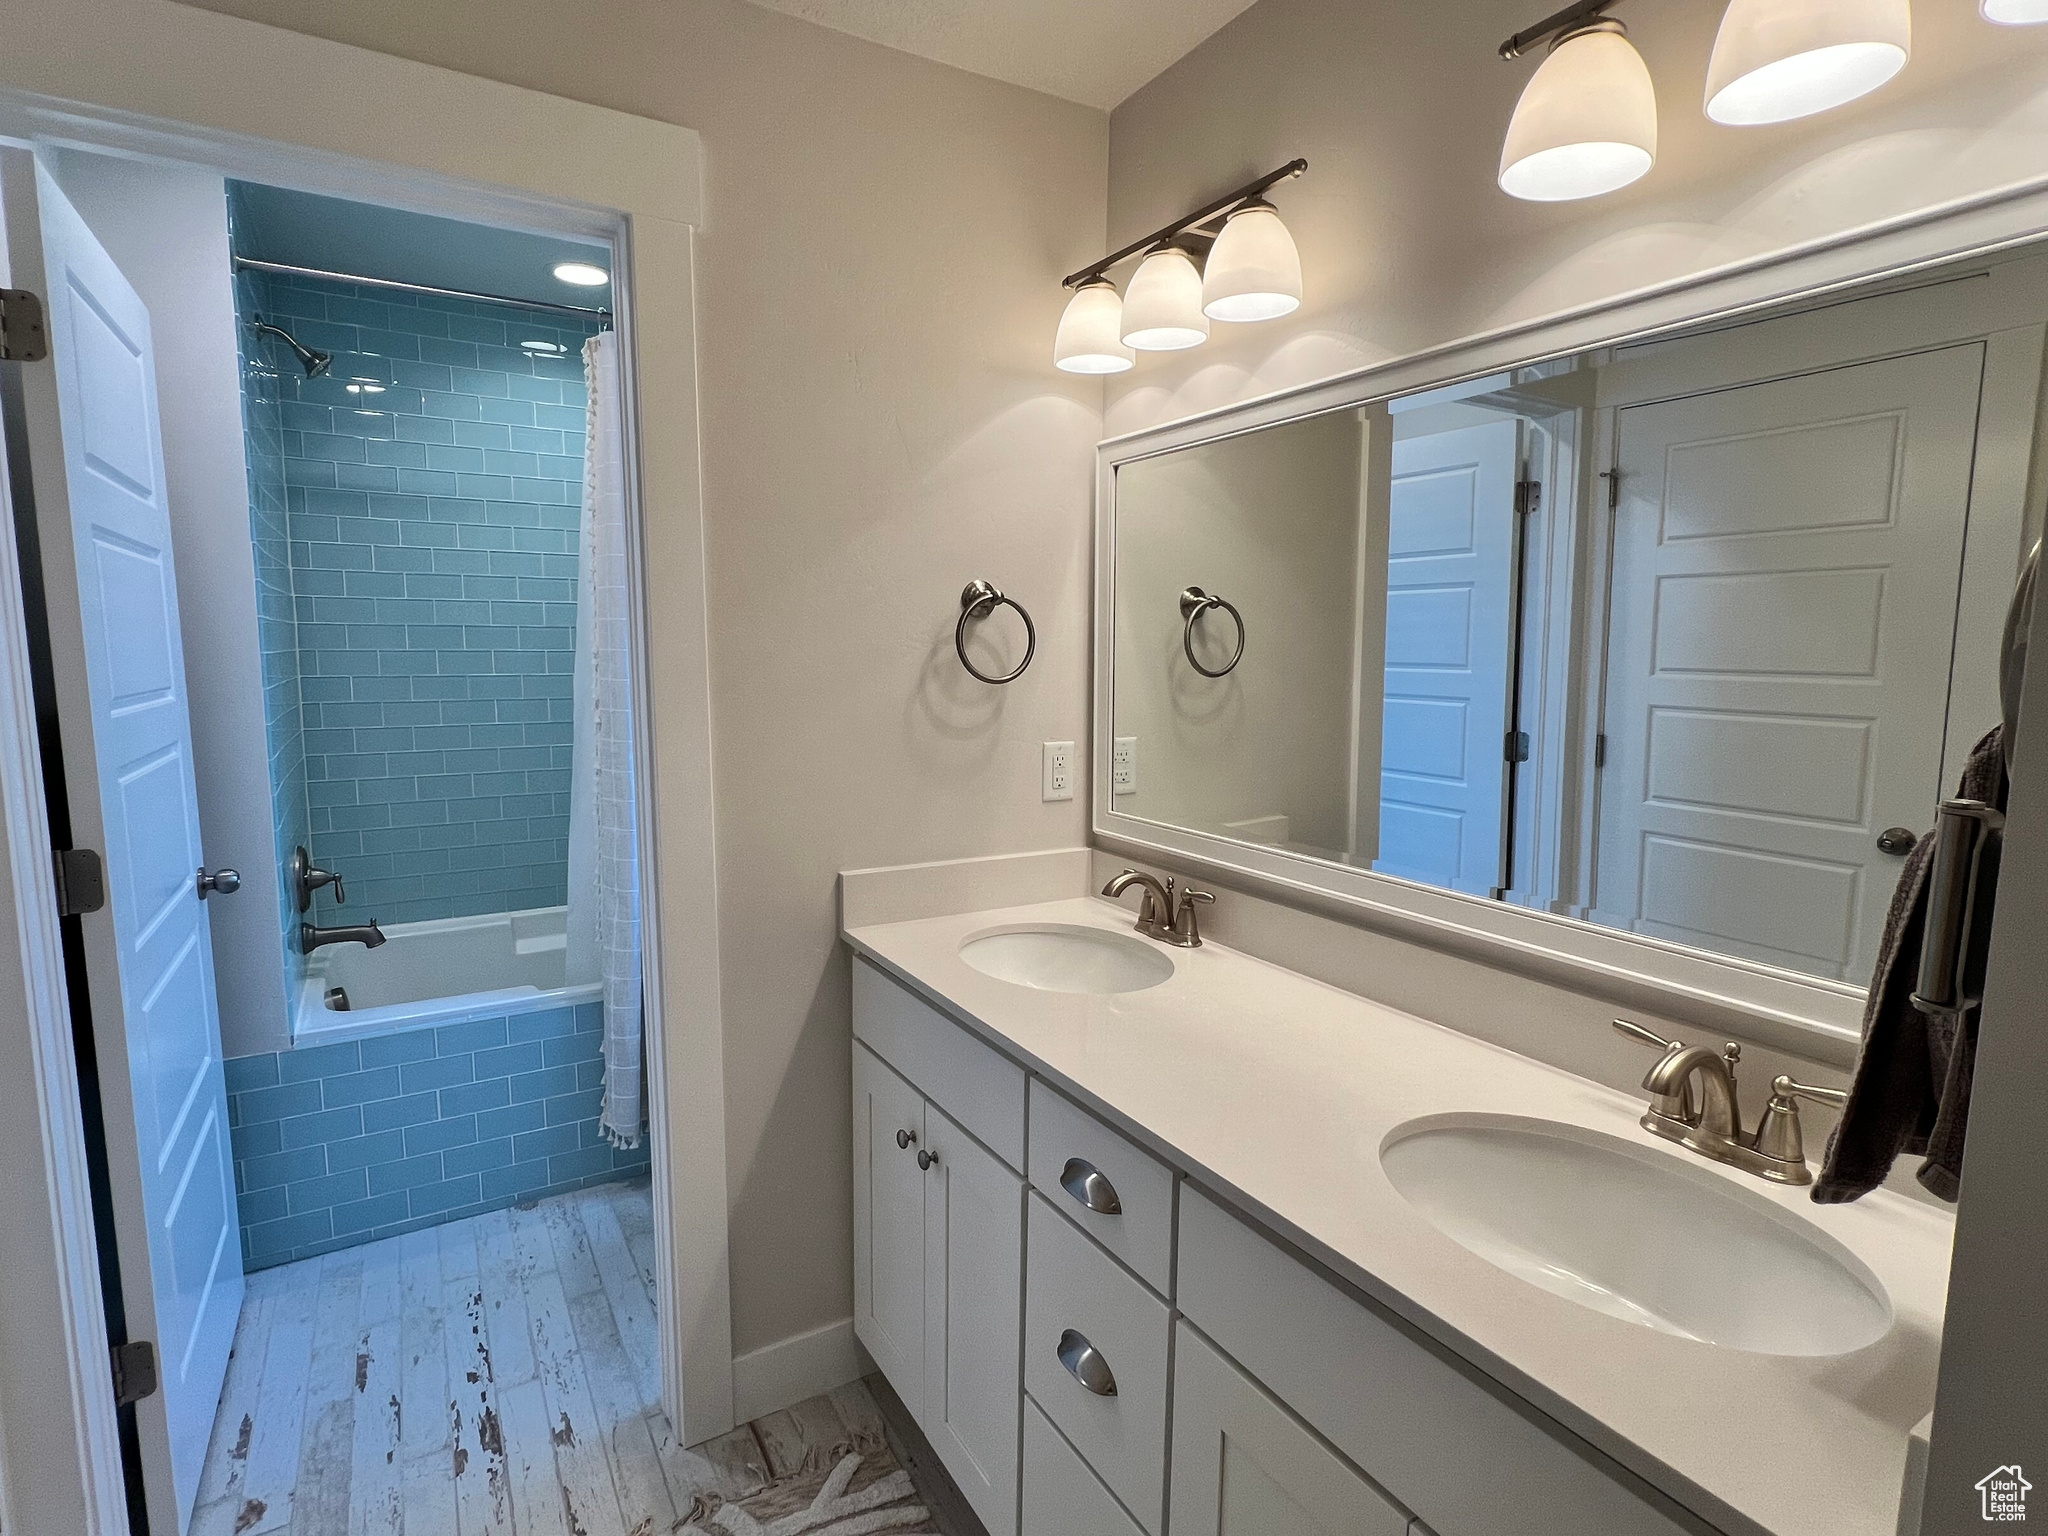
pixel 1637 1234
pixel 1059 957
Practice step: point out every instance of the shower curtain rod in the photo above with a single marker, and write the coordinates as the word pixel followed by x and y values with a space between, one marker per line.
pixel 251 263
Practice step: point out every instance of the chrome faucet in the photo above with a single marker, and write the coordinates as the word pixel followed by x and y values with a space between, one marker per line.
pixel 311 936
pixel 1711 1122
pixel 1160 915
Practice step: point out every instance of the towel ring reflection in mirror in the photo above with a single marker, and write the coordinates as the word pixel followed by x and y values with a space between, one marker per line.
pixel 978 601
pixel 1194 602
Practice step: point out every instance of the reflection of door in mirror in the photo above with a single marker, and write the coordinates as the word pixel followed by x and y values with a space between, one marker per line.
pixel 1785 572
pixel 1452 551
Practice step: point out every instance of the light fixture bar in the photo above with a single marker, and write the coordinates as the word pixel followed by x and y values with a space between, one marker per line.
pixel 1200 216
pixel 1565 20
pixel 250 263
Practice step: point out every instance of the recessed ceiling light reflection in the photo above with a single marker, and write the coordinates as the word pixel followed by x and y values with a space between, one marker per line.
pixel 581 274
pixel 544 348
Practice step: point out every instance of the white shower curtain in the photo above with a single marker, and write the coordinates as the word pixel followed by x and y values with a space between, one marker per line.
pixel 604 848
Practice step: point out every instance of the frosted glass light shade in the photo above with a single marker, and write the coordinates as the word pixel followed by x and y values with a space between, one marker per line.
pixel 1775 60
pixel 1253 271
pixel 1586 123
pixel 1088 341
pixel 2016 13
pixel 1163 306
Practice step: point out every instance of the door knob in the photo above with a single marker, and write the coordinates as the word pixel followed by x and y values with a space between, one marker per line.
pixel 904 1139
pixel 1897 840
pixel 222 882
pixel 925 1160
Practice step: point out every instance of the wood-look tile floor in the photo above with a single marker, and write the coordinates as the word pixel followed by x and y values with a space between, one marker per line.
pixel 497 1374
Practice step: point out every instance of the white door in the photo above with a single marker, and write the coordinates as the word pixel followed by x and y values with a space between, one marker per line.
pixel 1243 1466
pixel 1786 564
pixel 1451 543
pixel 888 1224
pixel 96 469
pixel 973 1309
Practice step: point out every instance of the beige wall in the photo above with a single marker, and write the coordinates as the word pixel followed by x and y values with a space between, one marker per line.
pixel 878 288
pixel 1268 520
pixel 1406 241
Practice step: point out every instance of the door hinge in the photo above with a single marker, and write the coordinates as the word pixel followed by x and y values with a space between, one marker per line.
pixel 1528 496
pixel 1516 747
pixel 1600 751
pixel 1613 479
pixel 81 882
pixel 135 1374
pixel 23 338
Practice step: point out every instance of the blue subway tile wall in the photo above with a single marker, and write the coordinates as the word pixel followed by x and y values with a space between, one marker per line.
pixel 433 483
pixel 343 1144
pixel 276 615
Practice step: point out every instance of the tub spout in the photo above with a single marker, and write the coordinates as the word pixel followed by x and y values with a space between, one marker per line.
pixel 311 937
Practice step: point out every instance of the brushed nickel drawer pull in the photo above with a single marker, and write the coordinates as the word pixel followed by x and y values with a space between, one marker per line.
pixel 1085 1364
pixel 1087 1184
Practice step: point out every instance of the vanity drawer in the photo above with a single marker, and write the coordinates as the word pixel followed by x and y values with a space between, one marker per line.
pixel 1076 1160
pixel 1061 1496
pixel 977 1087
pixel 1078 1296
pixel 1468 1459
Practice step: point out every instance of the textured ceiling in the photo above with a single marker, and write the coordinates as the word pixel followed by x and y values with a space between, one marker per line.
pixel 1095 52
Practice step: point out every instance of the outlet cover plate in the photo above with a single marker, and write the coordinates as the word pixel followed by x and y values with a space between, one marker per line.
pixel 1058 771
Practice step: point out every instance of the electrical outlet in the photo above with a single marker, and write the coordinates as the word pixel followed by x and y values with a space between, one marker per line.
pixel 1123 766
pixel 1059 770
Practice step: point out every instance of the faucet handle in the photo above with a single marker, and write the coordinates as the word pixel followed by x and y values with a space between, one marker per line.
pixel 1779 1135
pixel 1673 1106
pixel 1636 1031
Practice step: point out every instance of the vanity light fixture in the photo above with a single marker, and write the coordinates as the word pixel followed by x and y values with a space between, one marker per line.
pixel 1163 310
pixel 1253 272
pixel 1775 60
pixel 2016 13
pixel 581 274
pixel 1586 123
pixel 1090 338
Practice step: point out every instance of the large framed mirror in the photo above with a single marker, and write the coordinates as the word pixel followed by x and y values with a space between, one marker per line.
pixel 1654 655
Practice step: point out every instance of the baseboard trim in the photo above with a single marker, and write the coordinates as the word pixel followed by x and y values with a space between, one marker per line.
pixel 769 1379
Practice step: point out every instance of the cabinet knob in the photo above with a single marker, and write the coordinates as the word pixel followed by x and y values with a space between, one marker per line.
pixel 1085 1364
pixel 904 1139
pixel 926 1160
pixel 1086 1183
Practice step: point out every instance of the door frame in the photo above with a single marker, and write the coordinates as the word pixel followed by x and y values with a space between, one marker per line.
pixel 141 79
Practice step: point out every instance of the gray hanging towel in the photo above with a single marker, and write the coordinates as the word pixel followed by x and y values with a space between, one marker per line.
pixel 1911 1092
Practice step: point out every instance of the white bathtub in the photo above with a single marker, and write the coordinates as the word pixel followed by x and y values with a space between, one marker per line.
pixel 440 972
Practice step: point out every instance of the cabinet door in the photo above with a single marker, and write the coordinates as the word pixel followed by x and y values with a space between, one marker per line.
pixel 1244 1466
pixel 973 1315
pixel 888 1225
pixel 1062 1497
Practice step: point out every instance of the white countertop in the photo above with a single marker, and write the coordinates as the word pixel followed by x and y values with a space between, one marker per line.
pixel 1276 1092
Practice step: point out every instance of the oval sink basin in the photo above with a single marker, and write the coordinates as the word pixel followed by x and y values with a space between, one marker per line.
pixel 1635 1233
pixel 1060 958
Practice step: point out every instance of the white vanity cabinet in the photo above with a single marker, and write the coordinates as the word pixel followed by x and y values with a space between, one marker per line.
pixel 1244 1466
pixel 939 1234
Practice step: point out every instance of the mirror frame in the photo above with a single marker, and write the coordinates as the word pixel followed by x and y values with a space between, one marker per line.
pixel 1816 1017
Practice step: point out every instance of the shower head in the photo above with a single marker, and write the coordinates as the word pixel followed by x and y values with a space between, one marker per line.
pixel 315 363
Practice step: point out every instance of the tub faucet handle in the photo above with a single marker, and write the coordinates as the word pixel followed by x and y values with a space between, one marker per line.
pixel 308 878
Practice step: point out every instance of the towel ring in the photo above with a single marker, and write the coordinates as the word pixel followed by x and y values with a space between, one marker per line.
pixel 1194 602
pixel 978 601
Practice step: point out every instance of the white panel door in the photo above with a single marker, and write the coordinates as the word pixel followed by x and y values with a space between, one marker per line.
pixel 1786 564
pixel 1450 615
pixel 888 1224
pixel 96 466
pixel 1244 1466
pixel 973 1309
